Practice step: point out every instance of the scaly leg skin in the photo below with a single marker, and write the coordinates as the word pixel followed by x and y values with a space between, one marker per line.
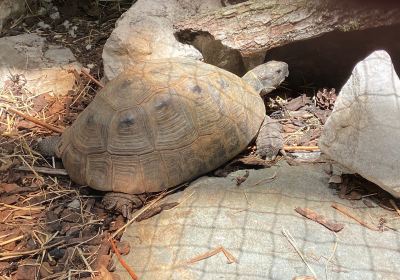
pixel 269 140
pixel 122 202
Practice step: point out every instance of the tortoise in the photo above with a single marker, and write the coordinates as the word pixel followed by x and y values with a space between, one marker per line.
pixel 165 122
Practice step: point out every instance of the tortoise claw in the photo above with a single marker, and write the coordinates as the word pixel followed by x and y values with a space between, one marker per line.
pixel 122 203
pixel 127 211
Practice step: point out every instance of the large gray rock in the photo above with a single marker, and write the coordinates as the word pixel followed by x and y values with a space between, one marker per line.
pixel 42 67
pixel 248 221
pixel 363 131
pixel 145 32
pixel 10 9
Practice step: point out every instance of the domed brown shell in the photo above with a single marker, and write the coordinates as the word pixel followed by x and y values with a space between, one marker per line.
pixel 159 124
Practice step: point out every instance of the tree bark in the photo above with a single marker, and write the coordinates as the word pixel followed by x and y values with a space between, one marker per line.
pixel 257 26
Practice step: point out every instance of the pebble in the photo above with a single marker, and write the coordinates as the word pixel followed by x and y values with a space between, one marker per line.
pixel 74 204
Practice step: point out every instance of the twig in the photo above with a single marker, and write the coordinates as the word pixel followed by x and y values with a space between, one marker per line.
pixel 40 265
pixel 49 199
pixel 29 166
pixel 184 199
pixel 63 275
pixel 5 235
pixel 136 216
pixel 122 261
pixel 12 240
pixel 304 277
pixel 162 195
pixel 28 208
pixel 82 92
pixel 84 259
pixel 156 210
pixel 368 195
pixel 219 249
pixel 303 148
pixel 92 78
pixel 44 170
pixel 12 255
pixel 36 121
pixel 395 206
pixel 265 180
pixel 293 243
pixel 29 8
pixel 346 212
pixel 331 256
pixel 312 215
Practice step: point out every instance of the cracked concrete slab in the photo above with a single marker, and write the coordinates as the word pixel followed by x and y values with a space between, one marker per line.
pixel 248 220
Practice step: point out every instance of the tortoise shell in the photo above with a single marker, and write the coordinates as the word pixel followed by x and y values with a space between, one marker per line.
pixel 159 124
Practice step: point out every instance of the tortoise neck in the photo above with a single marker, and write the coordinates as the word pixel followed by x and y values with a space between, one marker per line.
pixel 252 79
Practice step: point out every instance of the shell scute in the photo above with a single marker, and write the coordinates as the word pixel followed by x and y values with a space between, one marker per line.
pixel 130 132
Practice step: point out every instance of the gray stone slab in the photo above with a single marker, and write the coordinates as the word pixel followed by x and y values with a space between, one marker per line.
pixel 248 221
pixel 146 32
pixel 43 67
pixel 363 131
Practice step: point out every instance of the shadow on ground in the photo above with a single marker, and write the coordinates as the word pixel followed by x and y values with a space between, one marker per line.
pixel 248 221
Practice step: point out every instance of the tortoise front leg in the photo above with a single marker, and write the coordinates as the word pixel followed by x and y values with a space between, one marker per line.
pixel 269 140
pixel 122 202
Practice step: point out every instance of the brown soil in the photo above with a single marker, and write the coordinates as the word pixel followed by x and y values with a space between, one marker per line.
pixel 50 227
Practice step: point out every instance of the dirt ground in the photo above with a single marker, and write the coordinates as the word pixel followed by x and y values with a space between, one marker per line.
pixel 50 228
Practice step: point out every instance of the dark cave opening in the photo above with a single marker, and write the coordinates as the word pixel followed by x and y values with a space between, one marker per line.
pixel 327 61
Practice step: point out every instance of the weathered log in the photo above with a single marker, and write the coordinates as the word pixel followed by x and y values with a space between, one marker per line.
pixel 256 26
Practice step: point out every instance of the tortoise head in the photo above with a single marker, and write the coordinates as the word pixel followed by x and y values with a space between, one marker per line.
pixel 268 76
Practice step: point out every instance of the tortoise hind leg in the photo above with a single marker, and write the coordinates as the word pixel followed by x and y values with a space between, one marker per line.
pixel 122 202
pixel 269 140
